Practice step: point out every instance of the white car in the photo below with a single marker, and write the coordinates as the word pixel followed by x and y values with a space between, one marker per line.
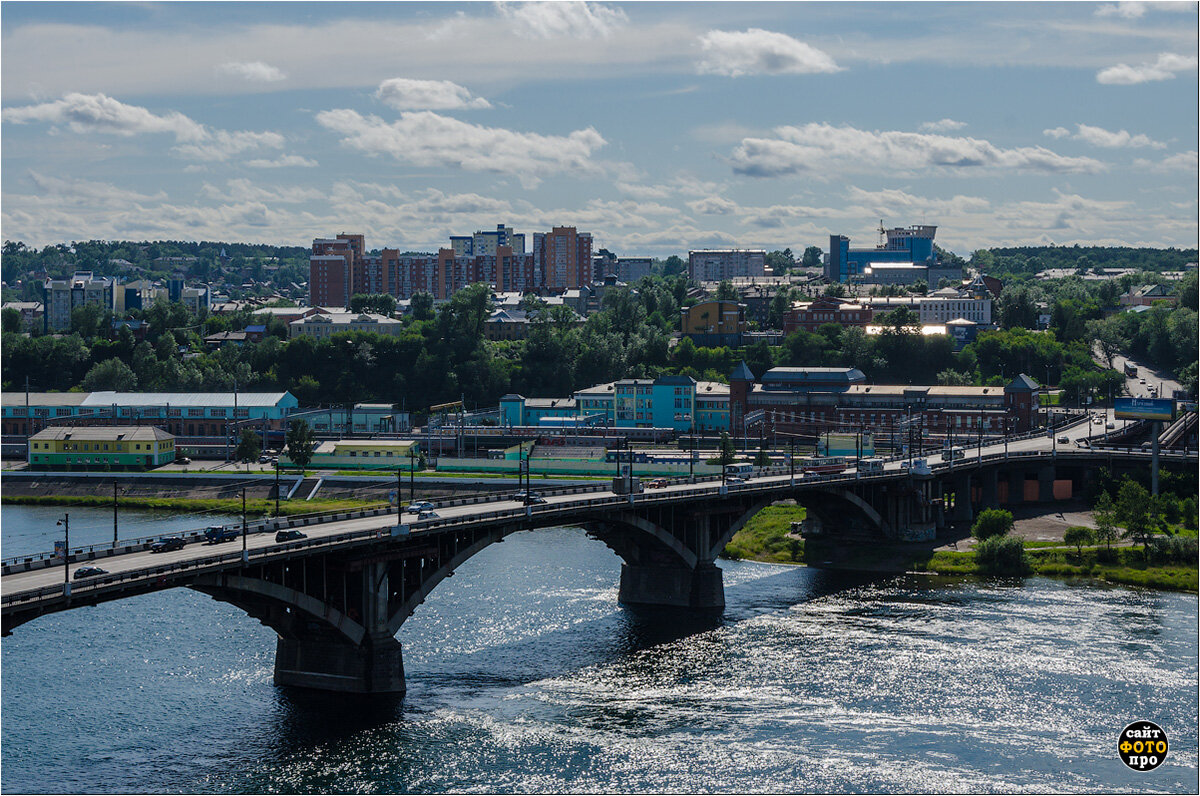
pixel 418 506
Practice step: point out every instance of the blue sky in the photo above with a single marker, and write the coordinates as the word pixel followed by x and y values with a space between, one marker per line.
pixel 657 127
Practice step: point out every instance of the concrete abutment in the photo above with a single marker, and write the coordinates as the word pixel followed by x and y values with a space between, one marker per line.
pixel 702 588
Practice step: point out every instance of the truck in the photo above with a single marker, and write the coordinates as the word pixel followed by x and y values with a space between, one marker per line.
pixel 1131 370
pixel 219 533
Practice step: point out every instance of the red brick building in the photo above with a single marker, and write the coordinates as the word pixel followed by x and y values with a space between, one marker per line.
pixel 813 315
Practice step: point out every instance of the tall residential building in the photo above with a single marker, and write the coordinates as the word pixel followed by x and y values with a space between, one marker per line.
pixel 715 265
pixel 565 257
pixel 631 269
pixel 335 268
pixel 60 296
pixel 486 242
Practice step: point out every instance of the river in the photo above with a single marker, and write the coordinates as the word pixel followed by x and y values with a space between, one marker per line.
pixel 525 675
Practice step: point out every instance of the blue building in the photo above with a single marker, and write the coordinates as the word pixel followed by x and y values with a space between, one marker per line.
pixel 911 246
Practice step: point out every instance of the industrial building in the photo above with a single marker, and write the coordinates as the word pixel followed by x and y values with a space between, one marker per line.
pixel 906 255
pixel 101 447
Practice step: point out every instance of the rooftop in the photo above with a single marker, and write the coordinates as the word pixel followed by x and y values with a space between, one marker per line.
pixel 101 433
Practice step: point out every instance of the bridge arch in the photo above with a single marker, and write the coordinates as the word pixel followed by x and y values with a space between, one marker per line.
pixel 279 607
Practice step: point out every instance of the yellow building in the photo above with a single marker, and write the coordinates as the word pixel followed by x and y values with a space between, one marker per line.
pixel 713 323
pixel 125 447
pixel 362 454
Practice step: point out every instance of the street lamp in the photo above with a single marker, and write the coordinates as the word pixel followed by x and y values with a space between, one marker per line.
pixel 65 522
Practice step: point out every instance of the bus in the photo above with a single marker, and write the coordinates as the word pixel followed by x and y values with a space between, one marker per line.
pixel 823 464
pixel 740 470
pixel 1131 370
pixel 870 466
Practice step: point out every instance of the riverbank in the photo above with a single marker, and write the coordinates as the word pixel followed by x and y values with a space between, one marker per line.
pixel 768 537
pixel 255 507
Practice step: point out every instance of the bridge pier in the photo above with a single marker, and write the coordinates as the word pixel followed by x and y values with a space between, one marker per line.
pixel 1016 487
pixel 373 667
pixel 962 499
pixel 1046 484
pixel 679 587
pixel 990 484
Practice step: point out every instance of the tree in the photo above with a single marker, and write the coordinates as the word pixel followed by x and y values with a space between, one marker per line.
pixel 726 291
pixel 812 257
pixel 11 320
pixel 1078 536
pixel 762 459
pixel 379 303
pixel 1105 516
pixel 728 453
pixel 422 306
pixel 249 446
pixel 1138 512
pixel 111 374
pixel 1002 555
pixel 899 319
pixel 992 522
pixel 300 443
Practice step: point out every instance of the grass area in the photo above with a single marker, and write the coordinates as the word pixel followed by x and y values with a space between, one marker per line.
pixel 256 507
pixel 764 537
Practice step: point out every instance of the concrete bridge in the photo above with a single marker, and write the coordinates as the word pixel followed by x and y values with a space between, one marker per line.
pixel 337 598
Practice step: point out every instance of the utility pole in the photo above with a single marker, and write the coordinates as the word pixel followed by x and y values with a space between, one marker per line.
pixel 399 511
pixel 65 522
pixel 245 552
pixel 412 473
pixel 114 513
pixel 277 487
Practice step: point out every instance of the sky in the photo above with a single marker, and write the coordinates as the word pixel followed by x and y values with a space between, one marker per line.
pixel 657 127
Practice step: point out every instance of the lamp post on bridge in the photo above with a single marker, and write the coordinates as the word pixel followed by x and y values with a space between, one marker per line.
pixel 65 522
pixel 245 551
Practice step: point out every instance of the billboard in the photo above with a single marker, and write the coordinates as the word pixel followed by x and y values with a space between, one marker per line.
pixel 1144 409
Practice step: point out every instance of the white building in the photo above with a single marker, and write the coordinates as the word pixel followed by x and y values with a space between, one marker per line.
pixel 60 296
pixel 327 324
pixel 715 265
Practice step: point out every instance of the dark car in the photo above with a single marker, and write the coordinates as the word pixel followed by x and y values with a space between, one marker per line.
pixel 166 545
pixel 89 572
pixel 535 499
pixel 524 496
pixel 289 536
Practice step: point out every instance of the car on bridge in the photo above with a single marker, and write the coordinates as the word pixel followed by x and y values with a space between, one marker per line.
pixel 658 483
pixel 89 572
pixel 428 515
pixel 528 497
pixel 420 505
pixel 217 534
pixel 289 536
pixel 1064 439
pixel 167 545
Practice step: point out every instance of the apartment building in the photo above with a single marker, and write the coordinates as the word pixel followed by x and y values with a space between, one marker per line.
pixel 61 296
pixel 715 265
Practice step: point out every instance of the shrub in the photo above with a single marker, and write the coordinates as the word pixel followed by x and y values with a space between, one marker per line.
pixel 1002 555
pixel 1179 549
pixel 1078 536
pixel 992 522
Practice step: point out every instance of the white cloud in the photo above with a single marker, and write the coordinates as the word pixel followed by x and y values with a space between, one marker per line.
pixel 893 202
pixel 713 206
pixel 243 190
pixel 1179 163
pixel 942 125
pixel 823 147
pixel 757 51
pixel 405 94
pixel 1127 10
pixel 254 71
pixel 88 113
pixel 428 139
pixel 642 191
pixel 1057 132
pixel 550 20
pixel 1162 69
pixel 98 113
pixel 223 144
pixel 283 161
pixel 1098 136
pixel 76 191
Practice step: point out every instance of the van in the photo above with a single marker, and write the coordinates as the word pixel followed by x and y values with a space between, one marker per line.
pixel 869 466
pixel 955 453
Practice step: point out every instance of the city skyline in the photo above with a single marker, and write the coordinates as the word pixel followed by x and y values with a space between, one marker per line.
pixel 656 127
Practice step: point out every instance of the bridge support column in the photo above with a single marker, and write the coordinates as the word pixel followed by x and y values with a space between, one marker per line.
pixel 702 587
pixel 373 667
pixel 1016 487
pixel 962 499
pixel 989 480
pixel 1046 484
